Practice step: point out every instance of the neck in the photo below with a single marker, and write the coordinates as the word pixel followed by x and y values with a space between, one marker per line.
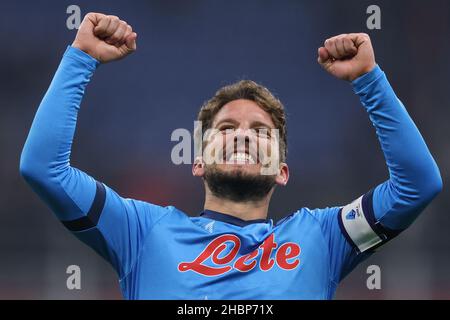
pixel 242 210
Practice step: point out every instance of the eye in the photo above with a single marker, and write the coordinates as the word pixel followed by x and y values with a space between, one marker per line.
pixel 226 129
pixel 263 132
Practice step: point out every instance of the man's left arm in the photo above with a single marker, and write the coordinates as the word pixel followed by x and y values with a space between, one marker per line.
pixel 414 178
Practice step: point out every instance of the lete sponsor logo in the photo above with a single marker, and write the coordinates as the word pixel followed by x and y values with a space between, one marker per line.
pixel 286 257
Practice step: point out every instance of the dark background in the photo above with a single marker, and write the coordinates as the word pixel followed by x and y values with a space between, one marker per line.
pixel 186 51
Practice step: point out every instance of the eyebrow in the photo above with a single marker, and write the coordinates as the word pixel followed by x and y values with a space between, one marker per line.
pixel 261 124
pixel 230 120
pixel 253 124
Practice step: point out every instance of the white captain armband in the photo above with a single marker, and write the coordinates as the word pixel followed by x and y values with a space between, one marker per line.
pixel 359 226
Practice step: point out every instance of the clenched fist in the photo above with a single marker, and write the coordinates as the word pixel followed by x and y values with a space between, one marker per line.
pixel 347 56
pixel 106 38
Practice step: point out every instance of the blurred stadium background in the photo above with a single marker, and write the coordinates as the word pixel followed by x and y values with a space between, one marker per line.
pixel 187 50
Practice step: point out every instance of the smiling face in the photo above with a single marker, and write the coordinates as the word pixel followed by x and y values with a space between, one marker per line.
pixel 241 153
pixel 240 138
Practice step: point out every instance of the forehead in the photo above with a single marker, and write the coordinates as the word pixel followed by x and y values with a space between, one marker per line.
pixel 243 110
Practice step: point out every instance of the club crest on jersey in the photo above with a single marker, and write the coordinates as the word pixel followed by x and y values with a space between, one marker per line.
pixel 286 257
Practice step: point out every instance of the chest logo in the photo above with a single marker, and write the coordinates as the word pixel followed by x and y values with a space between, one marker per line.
pixel 285 256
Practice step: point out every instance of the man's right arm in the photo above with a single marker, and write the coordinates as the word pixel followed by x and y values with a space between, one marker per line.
pixel 113 226
pixel 45 160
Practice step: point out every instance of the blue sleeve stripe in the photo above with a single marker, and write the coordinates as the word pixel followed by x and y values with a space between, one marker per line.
pixel 91 219
pixel 367 205
pixel 383 232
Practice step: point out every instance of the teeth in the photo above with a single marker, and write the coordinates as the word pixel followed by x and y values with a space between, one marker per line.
pixel 241 158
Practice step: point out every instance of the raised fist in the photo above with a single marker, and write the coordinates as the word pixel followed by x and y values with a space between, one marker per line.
pixel 347 56
pixel 105 38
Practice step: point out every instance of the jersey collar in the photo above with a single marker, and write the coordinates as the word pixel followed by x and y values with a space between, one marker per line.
pixel 229 218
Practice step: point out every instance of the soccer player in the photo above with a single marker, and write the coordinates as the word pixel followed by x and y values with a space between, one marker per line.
pixel 232 250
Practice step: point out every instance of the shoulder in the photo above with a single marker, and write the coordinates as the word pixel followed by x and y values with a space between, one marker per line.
pixel 160 212
pixel 317 214
pixel 305 216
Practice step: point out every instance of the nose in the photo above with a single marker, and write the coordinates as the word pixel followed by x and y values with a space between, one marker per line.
pixel 242 140
pixel 242 143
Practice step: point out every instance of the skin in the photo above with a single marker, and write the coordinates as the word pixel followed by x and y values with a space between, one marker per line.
pixel 105 37
pixel 346 57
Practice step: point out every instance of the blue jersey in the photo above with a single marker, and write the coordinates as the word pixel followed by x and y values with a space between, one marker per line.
pixel 162 253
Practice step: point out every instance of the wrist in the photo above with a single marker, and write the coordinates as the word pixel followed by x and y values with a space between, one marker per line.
pixel 364 71
pixel 83 57
pixel 79 46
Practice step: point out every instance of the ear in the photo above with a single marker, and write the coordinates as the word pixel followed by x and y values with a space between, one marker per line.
pixel 198 168
pixel 283 175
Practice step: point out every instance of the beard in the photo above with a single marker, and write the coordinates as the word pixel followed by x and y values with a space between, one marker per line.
pixel 238 186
